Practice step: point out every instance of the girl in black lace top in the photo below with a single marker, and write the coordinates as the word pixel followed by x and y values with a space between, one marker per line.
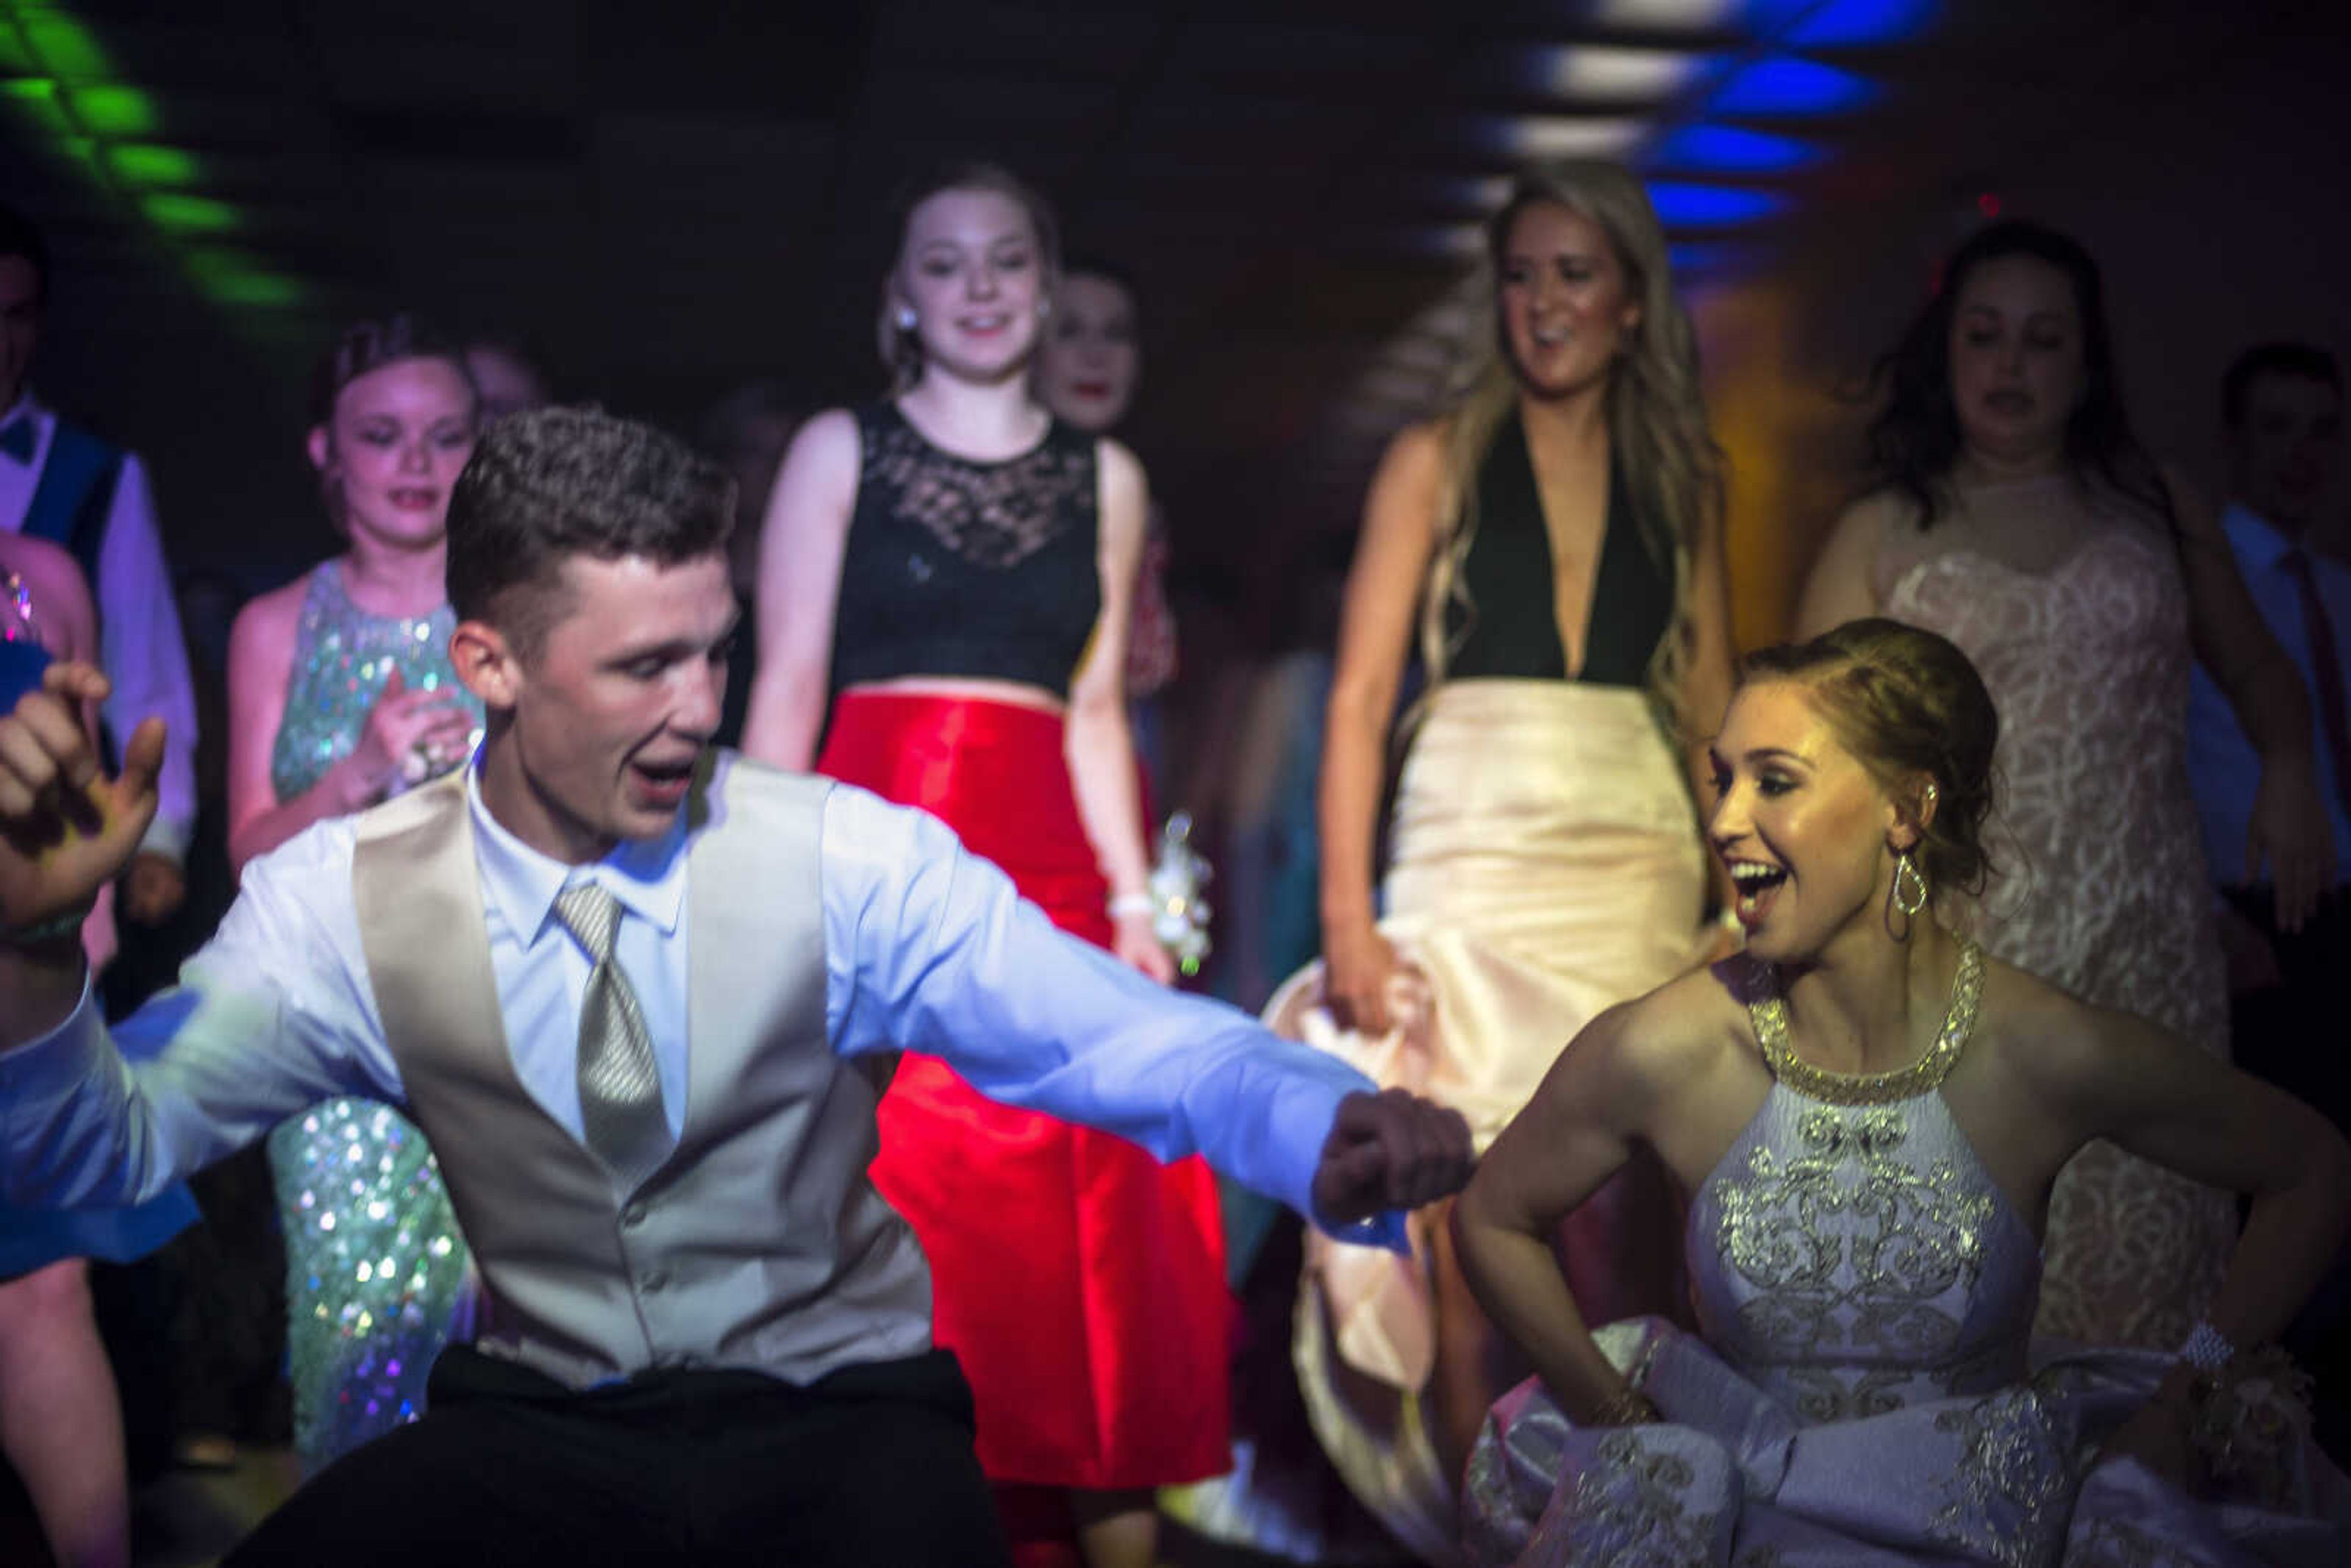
pixel 946 577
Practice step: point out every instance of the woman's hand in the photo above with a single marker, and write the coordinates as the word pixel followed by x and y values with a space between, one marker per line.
pixel 2289 832
pixel 1137 943
pixel 2160 1435
pixel 409 736
pixel 1357 965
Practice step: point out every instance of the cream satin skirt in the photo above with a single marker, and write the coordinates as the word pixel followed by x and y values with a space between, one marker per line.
pixel 1546 865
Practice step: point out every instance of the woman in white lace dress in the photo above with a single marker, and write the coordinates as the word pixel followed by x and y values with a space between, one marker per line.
pixel 2017 516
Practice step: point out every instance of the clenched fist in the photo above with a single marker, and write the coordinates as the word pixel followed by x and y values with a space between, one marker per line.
pixel 1390 1150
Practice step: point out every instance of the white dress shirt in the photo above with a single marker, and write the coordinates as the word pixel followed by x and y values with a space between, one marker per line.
pixel 139 623
pixel 2223 768
pixel 928 947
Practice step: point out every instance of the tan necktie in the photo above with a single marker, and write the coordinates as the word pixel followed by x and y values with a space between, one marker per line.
pixel 619 1088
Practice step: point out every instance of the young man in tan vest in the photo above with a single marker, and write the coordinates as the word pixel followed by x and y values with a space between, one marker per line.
pixel 641 996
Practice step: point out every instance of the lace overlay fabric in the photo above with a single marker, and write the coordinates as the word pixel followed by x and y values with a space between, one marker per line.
pixel 956 567
pixel 375 1266
pixel 991 515
pixel 2073 609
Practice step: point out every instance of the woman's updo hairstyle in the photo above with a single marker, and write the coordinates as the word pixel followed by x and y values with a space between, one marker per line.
pixel 369 346
pixel 902 349
pixel 1907 705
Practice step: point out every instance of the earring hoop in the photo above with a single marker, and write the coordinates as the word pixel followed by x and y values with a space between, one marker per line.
pixel 1912 899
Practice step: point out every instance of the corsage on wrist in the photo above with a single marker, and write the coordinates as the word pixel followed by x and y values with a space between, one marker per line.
pixel 2252 1411
pixel 1178 914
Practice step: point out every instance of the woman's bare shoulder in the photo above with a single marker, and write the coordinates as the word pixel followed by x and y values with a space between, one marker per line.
pixel 1681 1030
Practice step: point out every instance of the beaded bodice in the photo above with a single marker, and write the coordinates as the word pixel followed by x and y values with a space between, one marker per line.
pixel 342 657
pixel 1850 1253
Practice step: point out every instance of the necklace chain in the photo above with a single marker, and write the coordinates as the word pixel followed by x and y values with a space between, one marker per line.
pixel 1770 1017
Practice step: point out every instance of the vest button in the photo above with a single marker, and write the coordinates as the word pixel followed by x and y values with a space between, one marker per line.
pixel 633 1216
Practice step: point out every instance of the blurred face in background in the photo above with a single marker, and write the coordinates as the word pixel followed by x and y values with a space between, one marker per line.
pixel 2282 454
pixel 509 383
pixel 391 452
pixel 1566 301
pixel 973 272
pixel 2017 372
pixel 1091 359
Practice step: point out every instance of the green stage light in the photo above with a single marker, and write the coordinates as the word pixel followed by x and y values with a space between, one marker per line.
pixel 176 213
pixel 112 109
pixel 64 47
pixel 145 164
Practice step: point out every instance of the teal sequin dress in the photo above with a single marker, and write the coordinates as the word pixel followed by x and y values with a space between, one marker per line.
pixel 376 1271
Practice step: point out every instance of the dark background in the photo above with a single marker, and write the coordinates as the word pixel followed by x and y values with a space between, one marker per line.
pixel 668 200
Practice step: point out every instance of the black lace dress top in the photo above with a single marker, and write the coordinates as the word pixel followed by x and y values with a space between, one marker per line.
pixel 961 568
pixel 1510 627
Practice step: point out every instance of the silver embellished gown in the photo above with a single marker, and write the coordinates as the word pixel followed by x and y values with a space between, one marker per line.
pixel 376 1271
pixel 1862 1389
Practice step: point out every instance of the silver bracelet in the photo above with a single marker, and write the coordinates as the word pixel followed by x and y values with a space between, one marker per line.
pixel 2207 1349
pixel 1126 904
pixel 53 929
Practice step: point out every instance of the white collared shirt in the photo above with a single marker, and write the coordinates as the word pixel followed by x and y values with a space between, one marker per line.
pixel 139 623
pixel 928 947
pixel 2222 765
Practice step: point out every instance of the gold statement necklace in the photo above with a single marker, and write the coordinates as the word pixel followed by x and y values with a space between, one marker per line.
pixel 1770 1017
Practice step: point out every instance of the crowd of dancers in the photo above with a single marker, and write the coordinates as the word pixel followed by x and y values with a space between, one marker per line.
pixel 1843 1029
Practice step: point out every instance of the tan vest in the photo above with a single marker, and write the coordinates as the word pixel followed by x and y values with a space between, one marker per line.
pixel 759 1243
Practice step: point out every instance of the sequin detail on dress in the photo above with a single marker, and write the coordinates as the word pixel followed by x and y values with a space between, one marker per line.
pixel 375 1275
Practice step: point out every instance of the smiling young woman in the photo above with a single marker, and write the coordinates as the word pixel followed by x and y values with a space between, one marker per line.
pixel 1867 1115
pixel 1552 546
pixel 944 594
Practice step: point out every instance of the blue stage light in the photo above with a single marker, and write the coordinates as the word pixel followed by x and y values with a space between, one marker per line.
pixel 1684 206
pixel 1726 149
pixel 1786 84
pixel 1856 24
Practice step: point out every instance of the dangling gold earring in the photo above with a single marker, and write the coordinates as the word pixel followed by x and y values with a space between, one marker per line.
pixel 1913 899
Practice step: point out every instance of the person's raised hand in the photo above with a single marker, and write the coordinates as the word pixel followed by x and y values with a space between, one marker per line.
pixel 66 829
pixel 412 734
pixel 1390 1150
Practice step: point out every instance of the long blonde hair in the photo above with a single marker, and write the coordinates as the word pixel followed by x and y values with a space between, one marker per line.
pixel 1658 438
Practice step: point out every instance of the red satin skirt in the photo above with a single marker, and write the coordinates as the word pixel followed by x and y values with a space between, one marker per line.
pixel 1079 1281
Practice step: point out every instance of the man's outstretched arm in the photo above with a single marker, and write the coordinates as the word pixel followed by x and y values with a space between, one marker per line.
pixel 934 951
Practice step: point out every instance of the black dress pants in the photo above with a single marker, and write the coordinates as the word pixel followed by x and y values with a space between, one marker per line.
pixel 2297 1035
pixel 870 1465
